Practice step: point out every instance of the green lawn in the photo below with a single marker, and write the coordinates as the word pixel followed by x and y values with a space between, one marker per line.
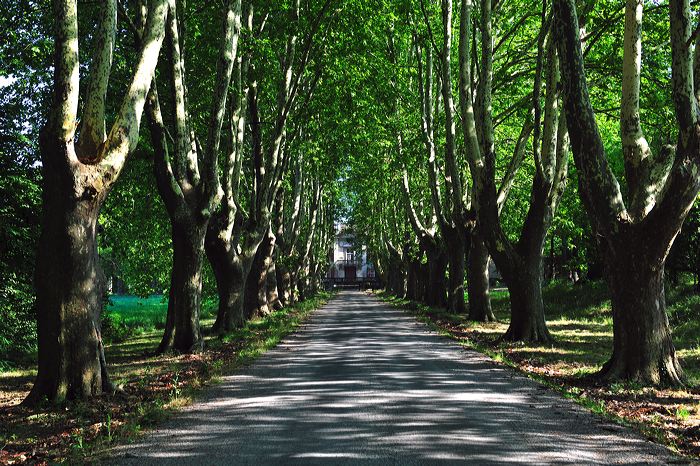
pixel 126 316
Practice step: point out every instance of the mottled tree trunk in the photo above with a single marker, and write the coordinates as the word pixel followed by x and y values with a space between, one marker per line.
pixel 634 239
pixel 643 349
pixel 527 321
pixel 78 173
pixel 273 295
pixel 478 282
pixel 70 286
pixel 255 296
pixel 285 285
pixel 182 332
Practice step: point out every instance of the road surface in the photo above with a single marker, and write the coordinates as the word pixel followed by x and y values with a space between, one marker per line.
pixel 364 383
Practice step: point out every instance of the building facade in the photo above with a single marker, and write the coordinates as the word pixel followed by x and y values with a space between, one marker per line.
pixel 348 261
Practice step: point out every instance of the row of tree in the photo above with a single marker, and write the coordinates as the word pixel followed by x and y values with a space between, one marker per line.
pixel 485 104
pixel 227 93
pixel 441 131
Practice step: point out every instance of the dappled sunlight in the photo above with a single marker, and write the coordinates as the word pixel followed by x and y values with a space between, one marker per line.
pixel 366 383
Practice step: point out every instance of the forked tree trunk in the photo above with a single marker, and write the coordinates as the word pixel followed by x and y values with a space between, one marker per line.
pixel 527 322
pixel 182 332
pixel 634 243
pixel 643 349
pixel 231 269
pixel 478 282
pixel 70 287
pixel 76 179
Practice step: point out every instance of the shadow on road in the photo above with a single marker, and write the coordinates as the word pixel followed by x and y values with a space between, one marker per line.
pixel 364 383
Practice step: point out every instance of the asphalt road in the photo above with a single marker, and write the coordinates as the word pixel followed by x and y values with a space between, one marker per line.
pixel 363 383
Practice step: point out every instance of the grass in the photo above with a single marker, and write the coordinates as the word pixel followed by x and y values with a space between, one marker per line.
pixel 126 316
pixel 152 386
pixel 147 312
pixel 579 318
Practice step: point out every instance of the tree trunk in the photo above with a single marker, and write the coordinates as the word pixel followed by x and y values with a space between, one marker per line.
pixel 455 241
pixel 285 285
pixel 478 282
pixel 273 295
pixel 413 280
pixel 182 331
pixel 643 349
pixel 229 273
pixel 70 288
pixel 255 296
pixel 396 281
pixel 527 321
pixel 436 284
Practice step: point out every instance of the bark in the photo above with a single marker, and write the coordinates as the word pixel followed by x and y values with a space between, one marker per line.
pixel 413 285
pixel 451 225
pixel 70 288
pixel 285 285
pixel 431 286
pixel 527 321
pixel 643 349
pixel 478 282
pixel 435 283
pixel 256 291
pixel 182 332
pixel 229 274
pixel 189 184
pixel 398 279
pixel 519 263
pixel 231 264
pixel 272 289
pixel 456 257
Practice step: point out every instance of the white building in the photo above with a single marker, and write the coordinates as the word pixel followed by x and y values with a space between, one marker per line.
pixel 347 262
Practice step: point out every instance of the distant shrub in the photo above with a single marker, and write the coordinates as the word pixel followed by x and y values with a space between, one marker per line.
pixel 115 328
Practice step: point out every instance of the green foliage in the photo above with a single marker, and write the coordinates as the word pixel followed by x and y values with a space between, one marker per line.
pixel 135 241
pixel 18 234
pixel 25 49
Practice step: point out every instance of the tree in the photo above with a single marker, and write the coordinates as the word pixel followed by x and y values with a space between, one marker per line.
pixel 520 263
pixel 80 163
pixel 189 184
pixel 634 237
